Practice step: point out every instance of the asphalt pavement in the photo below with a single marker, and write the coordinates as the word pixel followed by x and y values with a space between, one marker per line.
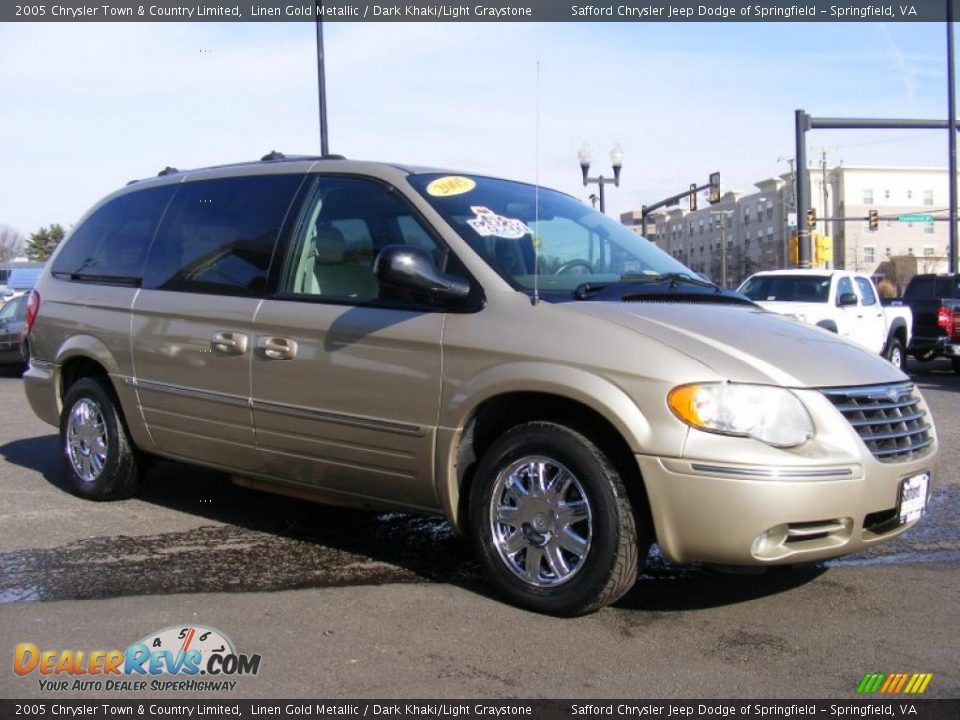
pixel 343 604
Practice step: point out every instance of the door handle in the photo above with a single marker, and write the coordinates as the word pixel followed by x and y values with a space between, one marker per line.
pixel 229 343
pixel 278 348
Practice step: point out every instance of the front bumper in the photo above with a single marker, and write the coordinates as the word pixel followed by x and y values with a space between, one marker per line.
pixel 752 515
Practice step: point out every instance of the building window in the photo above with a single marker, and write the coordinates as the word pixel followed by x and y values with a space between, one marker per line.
pixel 889 254
pixel 868 196
pixel 746 216
pixel 769 209
pixel 928 228
pixel 928 197
pixel 869 254
pixel 909 194
pixel 910 251
pixel 928 251
pixel 886 194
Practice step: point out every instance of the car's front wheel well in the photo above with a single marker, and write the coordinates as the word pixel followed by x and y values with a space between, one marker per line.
pixel 498 414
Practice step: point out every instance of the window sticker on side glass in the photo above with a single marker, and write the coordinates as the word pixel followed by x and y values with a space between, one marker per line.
pixel 487 223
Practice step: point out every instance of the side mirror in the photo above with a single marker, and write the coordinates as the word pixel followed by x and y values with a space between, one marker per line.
pixel 847 299
pixel 404 267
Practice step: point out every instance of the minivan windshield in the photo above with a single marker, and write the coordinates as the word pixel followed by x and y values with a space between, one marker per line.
pixel 504 221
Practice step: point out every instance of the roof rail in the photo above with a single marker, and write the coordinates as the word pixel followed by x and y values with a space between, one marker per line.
pixel 168 170
pixel 273 155
pixel 332 157
pixel 132 182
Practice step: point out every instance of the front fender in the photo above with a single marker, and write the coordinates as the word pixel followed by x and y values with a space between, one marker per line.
pixel 594 391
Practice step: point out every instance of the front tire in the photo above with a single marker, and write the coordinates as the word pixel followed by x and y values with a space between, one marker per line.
pixel 553 525
pixel 895 354
pixel 98 458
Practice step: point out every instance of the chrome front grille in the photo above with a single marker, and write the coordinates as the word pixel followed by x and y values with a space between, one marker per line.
pixel 888 419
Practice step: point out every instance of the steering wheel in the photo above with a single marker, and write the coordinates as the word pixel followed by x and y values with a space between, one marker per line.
pixel 572 264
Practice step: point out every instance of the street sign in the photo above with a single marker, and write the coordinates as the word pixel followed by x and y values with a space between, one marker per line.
pixel 914 218
pixel 791 220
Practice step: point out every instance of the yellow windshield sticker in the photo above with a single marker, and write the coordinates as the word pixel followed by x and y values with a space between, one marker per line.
pixel 450 185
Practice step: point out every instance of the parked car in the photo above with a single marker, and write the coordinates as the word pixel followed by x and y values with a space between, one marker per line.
pixel 934 301
pixel 492 352
pixel 845 303
pixel 13 345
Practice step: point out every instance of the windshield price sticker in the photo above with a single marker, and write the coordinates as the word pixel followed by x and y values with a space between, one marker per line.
pixel 488 223
pixel 913 497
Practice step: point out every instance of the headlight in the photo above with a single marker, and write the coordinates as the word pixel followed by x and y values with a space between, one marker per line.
pixel 770 414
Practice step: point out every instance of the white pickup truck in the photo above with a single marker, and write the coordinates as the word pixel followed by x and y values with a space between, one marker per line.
pixel 846 303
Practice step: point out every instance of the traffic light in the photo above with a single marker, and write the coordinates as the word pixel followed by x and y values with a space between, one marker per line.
pixel 811 218
pixel 713 194
pixel 693 197
pixel 874 221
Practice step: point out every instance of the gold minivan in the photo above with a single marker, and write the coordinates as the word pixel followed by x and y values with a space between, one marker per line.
pixel 489 351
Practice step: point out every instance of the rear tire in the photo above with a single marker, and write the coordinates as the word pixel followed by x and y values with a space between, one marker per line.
pixel 895 354
pixel 99 460
pixel 552 521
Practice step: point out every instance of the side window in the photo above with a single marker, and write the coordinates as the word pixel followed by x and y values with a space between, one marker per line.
pixel 920 287
pixel 844 286
pixel 218 235
pixel 110 246
pixel 867 296
pixel 346 223
pixel 14 310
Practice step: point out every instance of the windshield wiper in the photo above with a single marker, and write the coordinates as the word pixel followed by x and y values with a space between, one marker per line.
pixel 674 278
pixel 585 290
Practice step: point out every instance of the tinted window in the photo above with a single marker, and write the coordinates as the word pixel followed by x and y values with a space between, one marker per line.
pixel 947 287
pixel 347 222
pixel 111 244
pixel 867 296
pixel 920 287
pixel 218 235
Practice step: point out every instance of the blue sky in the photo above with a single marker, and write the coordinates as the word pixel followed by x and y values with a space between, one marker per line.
pixel 87 107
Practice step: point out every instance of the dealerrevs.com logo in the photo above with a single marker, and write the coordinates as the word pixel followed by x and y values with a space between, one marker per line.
pixel 179 658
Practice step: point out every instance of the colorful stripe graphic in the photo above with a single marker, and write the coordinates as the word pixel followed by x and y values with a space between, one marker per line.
pixel 890 684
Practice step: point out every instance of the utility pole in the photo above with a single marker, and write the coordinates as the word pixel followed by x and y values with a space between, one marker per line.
pixel 321 78
pixel 823 186
pixel 722 214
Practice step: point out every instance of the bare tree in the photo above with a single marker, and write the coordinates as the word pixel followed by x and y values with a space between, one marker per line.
pixel 11 243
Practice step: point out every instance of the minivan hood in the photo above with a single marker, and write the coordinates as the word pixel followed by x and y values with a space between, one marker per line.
pixel 747 344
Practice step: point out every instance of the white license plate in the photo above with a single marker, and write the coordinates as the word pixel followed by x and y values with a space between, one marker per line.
pixel 913 497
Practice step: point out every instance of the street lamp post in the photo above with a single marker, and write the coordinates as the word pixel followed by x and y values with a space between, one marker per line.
pixel 616 160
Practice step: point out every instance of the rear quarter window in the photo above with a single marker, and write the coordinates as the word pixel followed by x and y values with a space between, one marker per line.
pixel 111 245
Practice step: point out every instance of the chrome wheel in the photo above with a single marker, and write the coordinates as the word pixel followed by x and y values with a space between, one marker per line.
pixel 87 440
pixel 541 521
pixel 896 358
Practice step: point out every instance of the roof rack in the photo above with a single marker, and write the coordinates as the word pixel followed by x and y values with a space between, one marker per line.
pixel 273 155
pixel 168 170
pixel 332 157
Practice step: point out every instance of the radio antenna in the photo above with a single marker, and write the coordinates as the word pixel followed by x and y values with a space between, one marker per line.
pixel 536 197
